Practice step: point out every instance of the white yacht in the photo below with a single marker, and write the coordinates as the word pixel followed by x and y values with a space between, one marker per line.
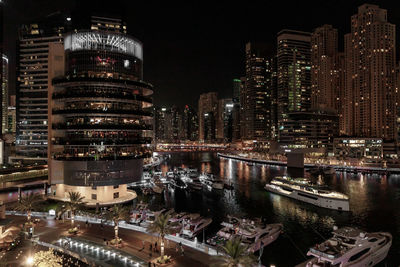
pixel 193 224
pixel 301 189
pixel 253 235
pixel 209 180
pixel 350 247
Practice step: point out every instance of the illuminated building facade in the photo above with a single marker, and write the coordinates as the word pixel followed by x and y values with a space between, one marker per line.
pixel 358 148
pixel 257 93
pixel 309 130
pixel 370 56
pixel 33 81
pixel 4 95
pixel 293 73
pixel 101 119
pixel 208 104
pixel 225 120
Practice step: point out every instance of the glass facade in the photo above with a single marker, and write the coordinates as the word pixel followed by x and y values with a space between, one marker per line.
pixel 101 112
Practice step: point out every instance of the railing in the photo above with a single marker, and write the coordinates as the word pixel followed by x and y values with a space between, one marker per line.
pixel 104 141
pixel 93 94
pixel 102 111
pixel 95 220
pixel 22 175
pixel 101 157
pixel 66 126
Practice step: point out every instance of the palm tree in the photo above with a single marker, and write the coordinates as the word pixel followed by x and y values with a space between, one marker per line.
pixel 162 227
pixel 236 255
pixel 74 205
pixel 115 214
pixel 27 203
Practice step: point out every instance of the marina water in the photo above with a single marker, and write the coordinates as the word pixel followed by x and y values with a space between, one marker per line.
pixel 374 204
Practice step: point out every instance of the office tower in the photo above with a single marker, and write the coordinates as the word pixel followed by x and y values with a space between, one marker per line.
pixel 176 124
pixel 33 80
pixel 274 98
pixel 324 77
pixel 370 75
pixel 189 124
pixel 2 65
pixel 160 115
pixel 340 70
pixel 310 130
pixel 107 24
pixel 225 120
pixel 208 104
pixel 4 95
pixel 101 118
pixel 257 92
pixel 237 84
pixel 294 73
pixel 11 120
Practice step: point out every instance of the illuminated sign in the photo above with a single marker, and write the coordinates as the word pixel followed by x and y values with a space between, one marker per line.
pixel 103 41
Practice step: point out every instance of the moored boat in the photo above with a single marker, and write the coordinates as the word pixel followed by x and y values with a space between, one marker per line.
pixel 302 190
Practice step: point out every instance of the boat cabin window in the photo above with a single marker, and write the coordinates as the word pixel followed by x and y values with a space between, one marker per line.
pixel 372 240
pixel 382 242
pixel 359 255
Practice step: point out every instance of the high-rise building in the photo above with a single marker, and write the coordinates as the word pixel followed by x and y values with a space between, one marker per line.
pixel 225 120
pixel 257 92
pixel 33 80
pixel 370 106
pixel 1 53
pixel 294 73
pixel 160 118
pixel 4 95
pixel 100 118
pixel 324 76
pixel 237 84
pixel 189 124
pixel 107 24
pixel 208 104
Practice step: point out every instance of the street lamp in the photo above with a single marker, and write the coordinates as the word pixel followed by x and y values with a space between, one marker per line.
pixel 29 260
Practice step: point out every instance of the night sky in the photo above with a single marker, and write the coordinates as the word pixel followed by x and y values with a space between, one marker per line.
pixel 196 46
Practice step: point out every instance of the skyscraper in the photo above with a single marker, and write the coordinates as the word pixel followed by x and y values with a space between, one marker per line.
pixel 370 75
pixel 225 120
pixel 324 77
pixel 189 124
pixel 294 73
pixel 208 104
pixel 33 80
pixel 4 95
pixel 257 92
pixel 101 117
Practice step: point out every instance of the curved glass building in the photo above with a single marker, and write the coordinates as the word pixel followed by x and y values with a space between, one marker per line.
pixel 101 120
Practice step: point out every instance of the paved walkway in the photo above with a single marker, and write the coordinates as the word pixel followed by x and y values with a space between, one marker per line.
pixel 51 230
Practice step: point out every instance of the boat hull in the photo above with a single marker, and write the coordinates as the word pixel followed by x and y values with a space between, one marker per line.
pixel 328 203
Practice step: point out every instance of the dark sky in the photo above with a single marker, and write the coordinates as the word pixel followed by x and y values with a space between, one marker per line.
pixel 193 47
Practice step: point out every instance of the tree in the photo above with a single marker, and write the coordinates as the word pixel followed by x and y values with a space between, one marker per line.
pixel 27 203
pixel 46 259
pixel 115 214
pixel 162 227
pixel 236 255
pixel 74 205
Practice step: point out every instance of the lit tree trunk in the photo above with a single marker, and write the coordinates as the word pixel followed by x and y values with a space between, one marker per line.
pixel 162 246
pixel 116 230
pixel 29 215
pixel 72 219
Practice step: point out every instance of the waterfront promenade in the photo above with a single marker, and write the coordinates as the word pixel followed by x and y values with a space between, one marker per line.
pixel 50 231
pixel 353 169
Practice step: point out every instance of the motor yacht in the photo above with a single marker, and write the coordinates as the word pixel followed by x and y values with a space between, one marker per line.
pixel 193 224
pixel 350 247
pixel 302 190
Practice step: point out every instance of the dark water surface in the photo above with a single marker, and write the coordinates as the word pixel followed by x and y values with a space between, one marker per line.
pixel 374 205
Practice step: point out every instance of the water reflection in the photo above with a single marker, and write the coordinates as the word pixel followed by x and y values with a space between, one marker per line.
pixel 374 202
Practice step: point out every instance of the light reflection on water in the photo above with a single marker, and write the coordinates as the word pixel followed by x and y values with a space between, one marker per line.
pixel 374 202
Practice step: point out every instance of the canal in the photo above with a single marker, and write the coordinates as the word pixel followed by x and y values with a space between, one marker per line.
pixel 374 205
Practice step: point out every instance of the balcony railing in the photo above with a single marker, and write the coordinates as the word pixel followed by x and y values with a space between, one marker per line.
pixel 104 141
pixel 93 94
pixel 100 157
pixel 103 126
pixel 102 111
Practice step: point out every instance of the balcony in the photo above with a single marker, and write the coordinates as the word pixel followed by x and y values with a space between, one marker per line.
pixel 104 141
pixel 107 95
pixel 104 126
pixel 102 111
